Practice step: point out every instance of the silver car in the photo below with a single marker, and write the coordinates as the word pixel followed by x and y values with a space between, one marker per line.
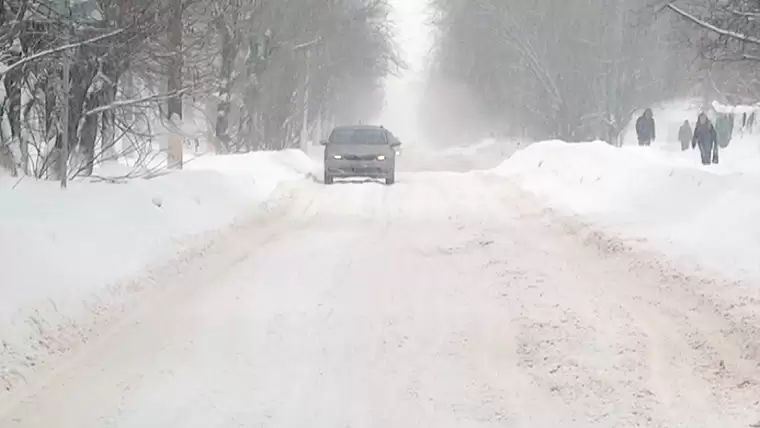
pixel 361 151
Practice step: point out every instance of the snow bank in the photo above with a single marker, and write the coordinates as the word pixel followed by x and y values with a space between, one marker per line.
pixel 735 109
pixel 63 253
pixel 707 215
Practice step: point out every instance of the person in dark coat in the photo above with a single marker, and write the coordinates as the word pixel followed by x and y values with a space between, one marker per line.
pixel 706 138
pixel 645 128
pixel 685 135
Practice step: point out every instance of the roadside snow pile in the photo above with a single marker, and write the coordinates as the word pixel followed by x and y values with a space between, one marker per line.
pixel 267 169
pixel 707 215
pixel 64 253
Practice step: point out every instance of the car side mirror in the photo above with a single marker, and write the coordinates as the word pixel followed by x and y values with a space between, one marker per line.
pixel 396 144
pixel 323 142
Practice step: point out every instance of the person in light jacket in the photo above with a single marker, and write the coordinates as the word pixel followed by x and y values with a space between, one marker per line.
pixel 706 138
pixel 685 135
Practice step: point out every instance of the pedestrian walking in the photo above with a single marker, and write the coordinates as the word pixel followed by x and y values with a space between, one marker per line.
pixel 645 128
pixel 685 135
pixel 706 138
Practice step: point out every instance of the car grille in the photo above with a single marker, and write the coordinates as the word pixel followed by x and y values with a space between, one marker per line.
pixel 360 157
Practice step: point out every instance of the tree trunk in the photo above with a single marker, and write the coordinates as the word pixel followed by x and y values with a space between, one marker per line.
pixel 13 82
pixel 174 110
pixel 229 52
pixel 108 126
pixel 81 76
pixel 128 147
pixel 89 134
pixel 50 105
pixel 51 132
pixel 317 134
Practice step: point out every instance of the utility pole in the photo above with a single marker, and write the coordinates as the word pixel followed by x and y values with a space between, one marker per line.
pixel 64 152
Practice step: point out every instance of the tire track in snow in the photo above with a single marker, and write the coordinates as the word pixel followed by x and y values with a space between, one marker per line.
pixel 697 362
pixel 447 300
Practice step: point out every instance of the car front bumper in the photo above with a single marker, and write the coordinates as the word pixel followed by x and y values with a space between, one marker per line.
pixel 352 168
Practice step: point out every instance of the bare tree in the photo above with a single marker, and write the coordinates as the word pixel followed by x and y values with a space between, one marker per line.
pixel 258 73
pixel 573 71
pixel 727 37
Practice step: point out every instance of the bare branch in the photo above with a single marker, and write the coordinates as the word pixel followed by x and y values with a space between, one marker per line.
pixel 58 49
pixel 704 24
pixel 751 15
pixel 307 44
pixel 126 103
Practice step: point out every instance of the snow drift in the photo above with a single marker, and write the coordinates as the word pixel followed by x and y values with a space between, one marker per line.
pixel 65 254
pixel 706 216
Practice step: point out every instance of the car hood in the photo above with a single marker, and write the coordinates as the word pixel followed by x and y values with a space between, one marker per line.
pixel 358 149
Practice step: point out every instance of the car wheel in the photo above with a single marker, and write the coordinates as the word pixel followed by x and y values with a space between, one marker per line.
pixel 390 179
pixel 328 179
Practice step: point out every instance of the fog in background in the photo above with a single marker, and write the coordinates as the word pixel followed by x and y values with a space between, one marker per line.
pixel 404 91
pixel 529 70
pixel 149 78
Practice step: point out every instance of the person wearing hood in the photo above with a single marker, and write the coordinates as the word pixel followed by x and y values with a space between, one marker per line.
pixel 685 135
pixel 706 138
pixel 645 128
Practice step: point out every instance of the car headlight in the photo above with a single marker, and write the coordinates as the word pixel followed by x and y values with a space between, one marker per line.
pixel 381 158
pixel 337 157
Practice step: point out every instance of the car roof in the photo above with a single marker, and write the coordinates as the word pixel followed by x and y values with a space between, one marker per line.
pixel 359 127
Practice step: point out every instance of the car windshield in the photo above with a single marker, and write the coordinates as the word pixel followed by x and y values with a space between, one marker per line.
pixel 358 136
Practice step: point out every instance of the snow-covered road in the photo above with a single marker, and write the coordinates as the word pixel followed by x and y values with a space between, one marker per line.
pixel 448 300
